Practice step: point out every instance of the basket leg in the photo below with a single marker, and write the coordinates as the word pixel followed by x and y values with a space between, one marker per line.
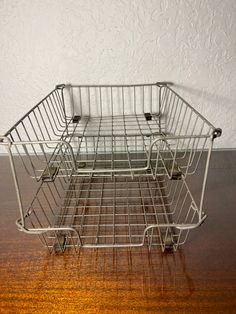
pixel 168 241
pixel 61 240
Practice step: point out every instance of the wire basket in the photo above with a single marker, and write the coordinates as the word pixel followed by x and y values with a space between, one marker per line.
pixel 111 166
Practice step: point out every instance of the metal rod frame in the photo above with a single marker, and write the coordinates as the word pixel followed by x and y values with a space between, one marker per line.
pixel 118 175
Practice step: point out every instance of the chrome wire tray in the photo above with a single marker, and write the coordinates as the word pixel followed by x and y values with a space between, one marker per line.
pixel 111 166
pixel 118 212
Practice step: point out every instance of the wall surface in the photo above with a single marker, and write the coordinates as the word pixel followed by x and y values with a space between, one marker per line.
pixel 189 42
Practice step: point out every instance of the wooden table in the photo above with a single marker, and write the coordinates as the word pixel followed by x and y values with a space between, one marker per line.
pixel 199 278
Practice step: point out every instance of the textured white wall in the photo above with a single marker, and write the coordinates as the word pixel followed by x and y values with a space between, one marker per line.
pixel 189 42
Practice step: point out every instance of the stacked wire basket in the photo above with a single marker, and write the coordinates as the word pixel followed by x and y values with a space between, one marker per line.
pixel 111 166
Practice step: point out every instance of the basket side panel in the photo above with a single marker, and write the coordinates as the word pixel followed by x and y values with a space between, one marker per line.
pixel 102 101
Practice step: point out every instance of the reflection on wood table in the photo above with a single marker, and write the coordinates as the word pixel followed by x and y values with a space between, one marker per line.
pixel 199 278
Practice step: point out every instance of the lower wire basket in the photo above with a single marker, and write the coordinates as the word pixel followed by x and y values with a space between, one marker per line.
pixel 116 212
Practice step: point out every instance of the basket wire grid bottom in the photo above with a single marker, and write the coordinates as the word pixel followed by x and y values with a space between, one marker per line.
pixel 114 212
pixel 113 142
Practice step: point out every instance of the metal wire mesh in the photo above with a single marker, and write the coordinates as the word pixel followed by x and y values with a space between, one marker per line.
pixel 113 166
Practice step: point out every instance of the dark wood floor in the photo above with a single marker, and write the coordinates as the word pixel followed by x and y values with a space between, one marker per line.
pixel 199 278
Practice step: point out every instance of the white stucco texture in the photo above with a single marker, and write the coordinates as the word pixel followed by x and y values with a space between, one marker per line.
pixel 191 43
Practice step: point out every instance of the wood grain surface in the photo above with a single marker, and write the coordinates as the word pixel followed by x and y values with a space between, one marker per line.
pixel 199 278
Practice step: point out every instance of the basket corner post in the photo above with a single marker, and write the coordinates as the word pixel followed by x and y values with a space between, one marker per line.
pixel 63 85
pixel 164 83
pixel 4 140
pixel 217 132
pixel 60 86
